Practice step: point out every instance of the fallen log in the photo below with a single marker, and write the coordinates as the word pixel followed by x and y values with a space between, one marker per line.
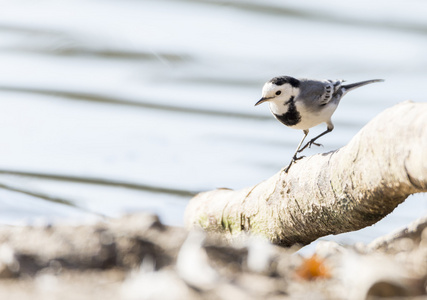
pixel 328 193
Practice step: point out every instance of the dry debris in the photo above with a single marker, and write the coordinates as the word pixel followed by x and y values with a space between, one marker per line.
pixel 136 257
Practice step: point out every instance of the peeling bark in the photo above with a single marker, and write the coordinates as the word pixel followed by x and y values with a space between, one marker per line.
pixel 328 193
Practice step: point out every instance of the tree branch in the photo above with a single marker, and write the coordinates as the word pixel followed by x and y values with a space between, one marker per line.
pixel 328 193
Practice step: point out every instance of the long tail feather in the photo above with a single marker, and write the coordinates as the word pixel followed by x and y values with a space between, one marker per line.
pixel 348 87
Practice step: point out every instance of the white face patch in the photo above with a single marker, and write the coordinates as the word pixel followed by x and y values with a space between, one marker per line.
pixel 269 90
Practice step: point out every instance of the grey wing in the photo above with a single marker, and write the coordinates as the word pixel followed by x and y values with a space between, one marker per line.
pixel 320 92
pixel 331 88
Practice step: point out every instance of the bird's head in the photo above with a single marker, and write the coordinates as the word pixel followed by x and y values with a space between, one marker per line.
pixel 279 90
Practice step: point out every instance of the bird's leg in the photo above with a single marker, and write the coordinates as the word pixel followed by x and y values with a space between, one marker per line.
pixel 295 158
pixel 312 141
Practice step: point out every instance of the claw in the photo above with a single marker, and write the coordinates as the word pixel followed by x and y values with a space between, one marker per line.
pixel 294 159
pixel 298 158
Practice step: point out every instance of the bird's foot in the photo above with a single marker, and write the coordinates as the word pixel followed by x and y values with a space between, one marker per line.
pixel 294 159
pixel 309 144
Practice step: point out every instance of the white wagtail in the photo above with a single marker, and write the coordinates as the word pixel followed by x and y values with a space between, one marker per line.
pixel 305 103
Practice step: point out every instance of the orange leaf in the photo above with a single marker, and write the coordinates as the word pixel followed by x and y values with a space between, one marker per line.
pixel 313 268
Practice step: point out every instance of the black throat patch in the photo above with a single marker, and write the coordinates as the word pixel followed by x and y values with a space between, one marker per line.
pixel 292 116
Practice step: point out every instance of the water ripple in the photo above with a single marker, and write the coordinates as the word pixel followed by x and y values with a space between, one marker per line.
pixel 97 181
pixel 82 96
pixel 317 16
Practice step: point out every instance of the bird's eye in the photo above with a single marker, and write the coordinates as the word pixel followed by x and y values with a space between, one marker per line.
pixel 278 93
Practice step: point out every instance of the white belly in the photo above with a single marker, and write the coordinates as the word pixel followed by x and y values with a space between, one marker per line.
pixel 310 119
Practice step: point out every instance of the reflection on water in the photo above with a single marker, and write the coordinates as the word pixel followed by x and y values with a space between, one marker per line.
pixel 112 107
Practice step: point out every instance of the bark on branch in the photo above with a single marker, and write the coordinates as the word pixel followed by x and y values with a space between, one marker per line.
pixel 328 193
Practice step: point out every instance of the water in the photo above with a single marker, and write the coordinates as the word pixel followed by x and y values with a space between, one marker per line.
pixel 110 107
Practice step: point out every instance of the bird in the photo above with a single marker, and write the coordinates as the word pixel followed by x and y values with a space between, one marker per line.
pixel 304 103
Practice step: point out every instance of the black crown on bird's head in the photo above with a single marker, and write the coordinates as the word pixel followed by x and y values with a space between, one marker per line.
pixel 281 80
